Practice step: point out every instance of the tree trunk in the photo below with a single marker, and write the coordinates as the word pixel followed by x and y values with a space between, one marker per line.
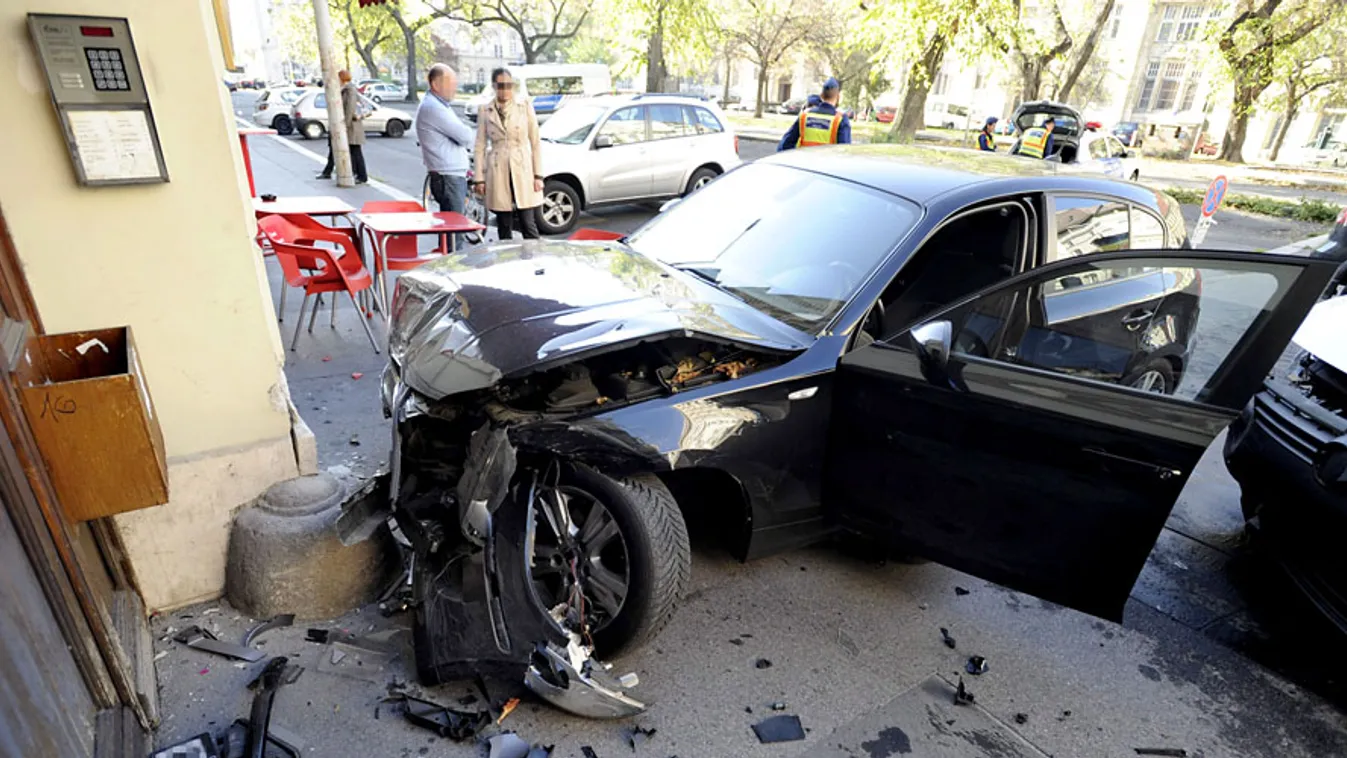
pixel 1032 80
pixel 654 69
pixel 409 37
pixel 1086 52
pixel 912 115
pixel 729 67
pixel 762 91
pixel 1232 147
pixel 1290 115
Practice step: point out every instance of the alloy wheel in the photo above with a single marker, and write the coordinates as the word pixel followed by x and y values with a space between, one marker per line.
pixel 1151 381
pixel 701 182
pixel 558 210
pixel 577 544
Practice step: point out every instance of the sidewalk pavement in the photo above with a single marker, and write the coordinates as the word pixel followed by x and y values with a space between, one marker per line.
pixel 854 647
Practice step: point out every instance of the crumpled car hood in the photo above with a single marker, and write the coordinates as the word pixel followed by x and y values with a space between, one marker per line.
pixel 464 322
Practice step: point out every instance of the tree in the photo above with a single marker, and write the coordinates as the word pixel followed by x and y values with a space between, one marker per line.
pixel 1025 45
pixel 409 28
pixel 297 34
pixel 368 28
pixel 683 22
pixel 1315 65
pixel 853 60
pixel 768 29
pixel 540 24
pixel 1250 44
pixel 1086 52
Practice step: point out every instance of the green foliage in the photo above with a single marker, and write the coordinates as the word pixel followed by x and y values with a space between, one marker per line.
pixel 1305 209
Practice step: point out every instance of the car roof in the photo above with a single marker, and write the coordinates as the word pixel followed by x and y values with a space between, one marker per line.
pixel 659 99
pixel 922 174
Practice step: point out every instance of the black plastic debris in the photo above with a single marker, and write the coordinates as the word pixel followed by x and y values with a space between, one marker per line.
pixel 748 709
pixel 1021 718
pixel 638 735
pixel 446 722
pixel 762 663
pixel 976 665
pixel 200 746
pixel 275 622
pixel 944 635
pixel 201 639
pixel 779 729
pixel 317 635
pixel 1172 752
pixel 962 696
pixel 588 751
pixel 507 745
pixel 778 706
pixel 541 751
pixel 960 591
pixel 736 642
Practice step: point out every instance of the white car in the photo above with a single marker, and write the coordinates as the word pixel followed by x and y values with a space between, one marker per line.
pixel 272 108
pixel 310 116
pixel 381 91
pixel 632 148
pixel 1075 144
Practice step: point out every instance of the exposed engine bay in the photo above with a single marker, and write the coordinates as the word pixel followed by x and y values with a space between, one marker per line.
pixel 478 497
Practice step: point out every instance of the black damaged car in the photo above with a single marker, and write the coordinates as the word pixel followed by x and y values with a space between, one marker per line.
pixel 945 351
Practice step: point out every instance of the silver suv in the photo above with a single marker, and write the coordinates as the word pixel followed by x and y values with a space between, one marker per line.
pixel 633 148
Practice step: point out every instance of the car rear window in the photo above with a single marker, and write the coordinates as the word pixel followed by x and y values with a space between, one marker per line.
pixel 706 121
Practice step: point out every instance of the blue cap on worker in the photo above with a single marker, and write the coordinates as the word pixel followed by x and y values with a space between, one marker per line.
pixel 991 120
pixel 813 101
pixel 831 84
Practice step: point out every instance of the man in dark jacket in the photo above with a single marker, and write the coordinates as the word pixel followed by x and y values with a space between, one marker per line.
pixel 821 125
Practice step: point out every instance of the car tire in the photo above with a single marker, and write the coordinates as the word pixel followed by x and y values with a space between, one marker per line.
pixel 1155 376
pixel 377 100
pixel 313 130
pixel 654 542
pixel 700 178
pixel 395 128
pixel 560 209
pixel 283 125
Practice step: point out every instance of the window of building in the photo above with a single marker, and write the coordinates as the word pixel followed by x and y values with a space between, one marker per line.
pixel 481 76
pixel 981 80
pixel 496 49
pixel 1148 87
pixel 1170 14
pixel 514 46
pixel 941 84
pixel 1115 21
pixel 1169 86
pixel 1189 92
pixel 1190 23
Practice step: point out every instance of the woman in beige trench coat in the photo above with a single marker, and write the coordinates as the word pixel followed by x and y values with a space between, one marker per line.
pixel 508 161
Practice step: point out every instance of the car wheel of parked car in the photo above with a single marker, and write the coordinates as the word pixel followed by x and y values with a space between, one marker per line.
pixel 395 128
pixel 560 208
pixel 313 130
pixel 622 542
pixel 1156 376
pixel 283 125
pixel 700 178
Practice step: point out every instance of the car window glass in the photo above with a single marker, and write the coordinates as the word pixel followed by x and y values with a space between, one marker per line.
pixel 1098 149
pixel 320 101
pixel 667 121
pixel 626 126
pixel 1089 225
pixel 1145 325
pixel 707 123
pixel 572 124
pixel 1115 148
pixel 1147 230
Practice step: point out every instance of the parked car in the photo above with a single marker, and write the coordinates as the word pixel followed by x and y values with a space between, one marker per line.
pixel 273 107
pixel 1073 144
pixel 561 408
pixel 1129 133
pixel 885 114
pixel 309 114
pixel 792 106
pixel 381 91
pixel 634 148
pixel 549 86
pixel 1206 146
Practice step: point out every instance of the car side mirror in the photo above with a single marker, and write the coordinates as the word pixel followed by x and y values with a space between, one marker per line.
pixel 934 340
pixel 602 141
pixel 670 204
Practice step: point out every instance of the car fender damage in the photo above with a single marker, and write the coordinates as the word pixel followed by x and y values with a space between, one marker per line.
pixel 478 475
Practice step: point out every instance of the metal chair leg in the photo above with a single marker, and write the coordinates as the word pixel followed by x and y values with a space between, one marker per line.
pixel 365 323
pixel 314 316
pixel 299 322
pixel 280 312
pixel 334 311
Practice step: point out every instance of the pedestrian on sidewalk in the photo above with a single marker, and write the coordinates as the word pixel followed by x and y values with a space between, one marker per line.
pixel 508 160
pixel 445 141
pixel 355 130
pixel 820 125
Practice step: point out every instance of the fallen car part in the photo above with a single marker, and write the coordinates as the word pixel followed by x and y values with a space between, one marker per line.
pixel 200 746
pixel 508 708
pixel 572 681
pixel 280 741
pixel 201 639
pixel 639 735
pixel 362 512
pixel 977 665
pixel 588 751
pixel 507 745
pixel 762 663
pixel 270 680
pixel 962 696
pixel 944 635
pixel 356 658
pixel 317 635
pixel 779 729
pixel 275 622
pixel 541 751
pixel 446 722
pixel 1172 752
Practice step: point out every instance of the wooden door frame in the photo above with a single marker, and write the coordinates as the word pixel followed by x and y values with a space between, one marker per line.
pixel 37 513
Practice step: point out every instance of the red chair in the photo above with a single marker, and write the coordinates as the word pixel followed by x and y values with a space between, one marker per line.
pixel 304 222
pixel 402 252
pixel 296 252
pixel 596 235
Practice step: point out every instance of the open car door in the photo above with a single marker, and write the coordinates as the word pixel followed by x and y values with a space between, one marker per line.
pixel 1038 434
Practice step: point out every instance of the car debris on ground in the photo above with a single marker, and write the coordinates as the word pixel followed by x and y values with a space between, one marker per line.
pixel 945 636
pixel 779 729
pixel 976 665
pixel 1171 752
pixel 962 696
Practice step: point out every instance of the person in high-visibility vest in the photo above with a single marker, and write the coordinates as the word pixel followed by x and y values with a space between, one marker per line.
pixel 821 125
pixel 987 141
pixel 1037 141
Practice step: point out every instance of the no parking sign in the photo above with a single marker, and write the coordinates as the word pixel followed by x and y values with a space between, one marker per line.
pixel 1210 203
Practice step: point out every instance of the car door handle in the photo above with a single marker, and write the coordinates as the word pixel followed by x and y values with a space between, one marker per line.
pixel 1163 472
pixel 1137 319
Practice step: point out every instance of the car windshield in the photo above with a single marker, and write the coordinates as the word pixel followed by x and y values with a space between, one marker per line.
pixel 793 244
pixel 572 124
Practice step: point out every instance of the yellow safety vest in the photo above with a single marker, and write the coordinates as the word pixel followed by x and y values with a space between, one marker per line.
pixel 1034 142
pixel 818 129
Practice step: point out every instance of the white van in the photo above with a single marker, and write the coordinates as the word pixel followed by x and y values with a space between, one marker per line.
pixel 943 115
pixel 548 85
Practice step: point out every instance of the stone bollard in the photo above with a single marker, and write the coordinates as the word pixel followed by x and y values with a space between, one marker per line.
pixel 285 556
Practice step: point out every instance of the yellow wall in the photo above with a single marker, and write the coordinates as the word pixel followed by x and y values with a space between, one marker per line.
pixel 174 261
